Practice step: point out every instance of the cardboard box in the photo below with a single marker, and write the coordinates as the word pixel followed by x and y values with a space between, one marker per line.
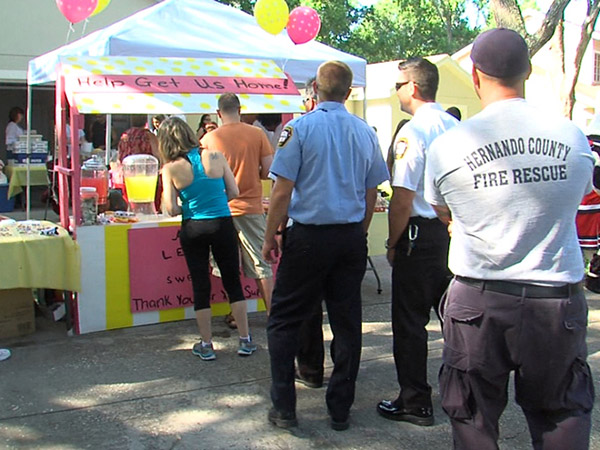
pixel 17 316
pixel 54 312
pixel 36 147
pixel 21 158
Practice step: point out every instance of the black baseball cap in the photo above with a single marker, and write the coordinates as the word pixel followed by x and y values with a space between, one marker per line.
pixel 500 53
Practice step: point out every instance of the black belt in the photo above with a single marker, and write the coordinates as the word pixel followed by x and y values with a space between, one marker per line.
pixel 523 289
pixel 328 225
pixel 419 220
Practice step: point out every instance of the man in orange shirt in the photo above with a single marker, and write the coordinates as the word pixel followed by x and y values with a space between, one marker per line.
pixel 249 154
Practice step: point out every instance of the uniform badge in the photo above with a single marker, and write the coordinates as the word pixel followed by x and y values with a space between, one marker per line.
pixel 400 148
pixel 285 136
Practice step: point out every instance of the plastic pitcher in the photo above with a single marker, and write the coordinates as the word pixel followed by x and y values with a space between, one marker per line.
pixel 141 175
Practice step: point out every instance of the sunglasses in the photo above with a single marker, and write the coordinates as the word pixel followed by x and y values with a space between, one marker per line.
pixel 400 84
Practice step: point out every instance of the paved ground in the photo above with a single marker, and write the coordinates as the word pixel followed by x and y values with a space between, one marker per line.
pixel 141 388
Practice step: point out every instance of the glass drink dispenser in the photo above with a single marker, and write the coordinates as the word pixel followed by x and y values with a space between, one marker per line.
pixel 94 174
pixel 141 174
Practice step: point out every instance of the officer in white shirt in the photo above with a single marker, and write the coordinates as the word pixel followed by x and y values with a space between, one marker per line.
pixel 417 244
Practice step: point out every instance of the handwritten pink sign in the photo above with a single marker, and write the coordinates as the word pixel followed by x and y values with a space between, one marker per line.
pixel 158 274
pixel 167 84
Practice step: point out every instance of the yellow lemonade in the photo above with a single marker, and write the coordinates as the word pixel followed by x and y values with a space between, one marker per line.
pixel 141 188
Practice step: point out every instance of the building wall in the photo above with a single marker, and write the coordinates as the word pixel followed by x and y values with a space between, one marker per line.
pixel 31 28
pixel 383 108
pixel 544 86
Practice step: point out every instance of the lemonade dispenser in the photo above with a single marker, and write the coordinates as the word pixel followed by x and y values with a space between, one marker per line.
pixel 141 174
pixel 95 175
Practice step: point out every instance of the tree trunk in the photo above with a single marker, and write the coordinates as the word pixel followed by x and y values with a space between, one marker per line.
pixel 553 16
pixel 445 13
pixel 587 28
pixel 559 69
pixel 507 14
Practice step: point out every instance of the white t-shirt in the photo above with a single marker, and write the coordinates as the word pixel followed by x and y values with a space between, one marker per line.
pixel 410 147
pixel 13 131
pixel 512 177
pixel 80 139
pixel 273 136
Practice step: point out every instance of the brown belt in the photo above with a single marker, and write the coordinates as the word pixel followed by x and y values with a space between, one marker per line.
pixel 523 289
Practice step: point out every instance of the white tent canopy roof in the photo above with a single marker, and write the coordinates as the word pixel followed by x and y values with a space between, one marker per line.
pixel 196 29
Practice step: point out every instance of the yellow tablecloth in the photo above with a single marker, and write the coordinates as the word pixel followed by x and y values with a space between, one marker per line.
pixel 38 176
pixel 378 233
pixel 36 261
pixel 267 185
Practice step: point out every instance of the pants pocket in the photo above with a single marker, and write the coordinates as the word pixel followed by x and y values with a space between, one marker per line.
pixel 575 313
pixel 464 339
pixel 463 349
pixel 579 388
pixel 457 400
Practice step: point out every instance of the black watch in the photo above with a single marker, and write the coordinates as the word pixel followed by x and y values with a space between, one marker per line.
pixel 388 246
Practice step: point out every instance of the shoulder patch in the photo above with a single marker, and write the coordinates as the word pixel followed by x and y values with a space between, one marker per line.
pixel 400 148
pixel 285 136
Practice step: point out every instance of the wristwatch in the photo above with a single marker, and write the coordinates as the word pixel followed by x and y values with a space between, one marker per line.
pixel 388 246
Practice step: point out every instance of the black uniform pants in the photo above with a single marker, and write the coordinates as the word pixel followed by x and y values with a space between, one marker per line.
pixel 488 334
pixel 311 353
pixel 310 358
pixel 418 282
pixel 327 261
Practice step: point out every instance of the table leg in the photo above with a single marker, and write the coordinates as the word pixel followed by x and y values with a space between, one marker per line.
pixel 372 267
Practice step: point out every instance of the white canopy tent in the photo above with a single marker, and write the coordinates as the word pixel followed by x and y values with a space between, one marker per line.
pixel 196 29
pixel 192 29
pixel 134 85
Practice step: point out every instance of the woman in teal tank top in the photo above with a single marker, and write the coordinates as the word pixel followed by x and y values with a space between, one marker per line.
pixel 204 183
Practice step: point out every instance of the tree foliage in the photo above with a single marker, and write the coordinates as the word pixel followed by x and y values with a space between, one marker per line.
pixel 390 29
pixel 397 29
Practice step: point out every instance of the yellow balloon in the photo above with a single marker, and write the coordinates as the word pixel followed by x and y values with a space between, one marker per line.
pixel 271 15
pixel 100 7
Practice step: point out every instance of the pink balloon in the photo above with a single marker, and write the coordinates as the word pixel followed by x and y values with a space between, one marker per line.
pixel 304 24
pixel 76 10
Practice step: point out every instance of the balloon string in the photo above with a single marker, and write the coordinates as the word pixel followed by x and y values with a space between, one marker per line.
pixel 71 29
pixel 84 27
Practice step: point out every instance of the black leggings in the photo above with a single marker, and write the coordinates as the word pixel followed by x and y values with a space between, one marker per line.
pixel 197 237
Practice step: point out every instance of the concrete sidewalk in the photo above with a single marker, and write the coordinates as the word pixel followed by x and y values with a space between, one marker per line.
pixel 141 388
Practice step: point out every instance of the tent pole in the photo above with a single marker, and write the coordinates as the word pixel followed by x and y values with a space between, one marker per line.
pixel 62 167
pixel 75 166
pixel 28 143
pixel 108 138
pixel 364 102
